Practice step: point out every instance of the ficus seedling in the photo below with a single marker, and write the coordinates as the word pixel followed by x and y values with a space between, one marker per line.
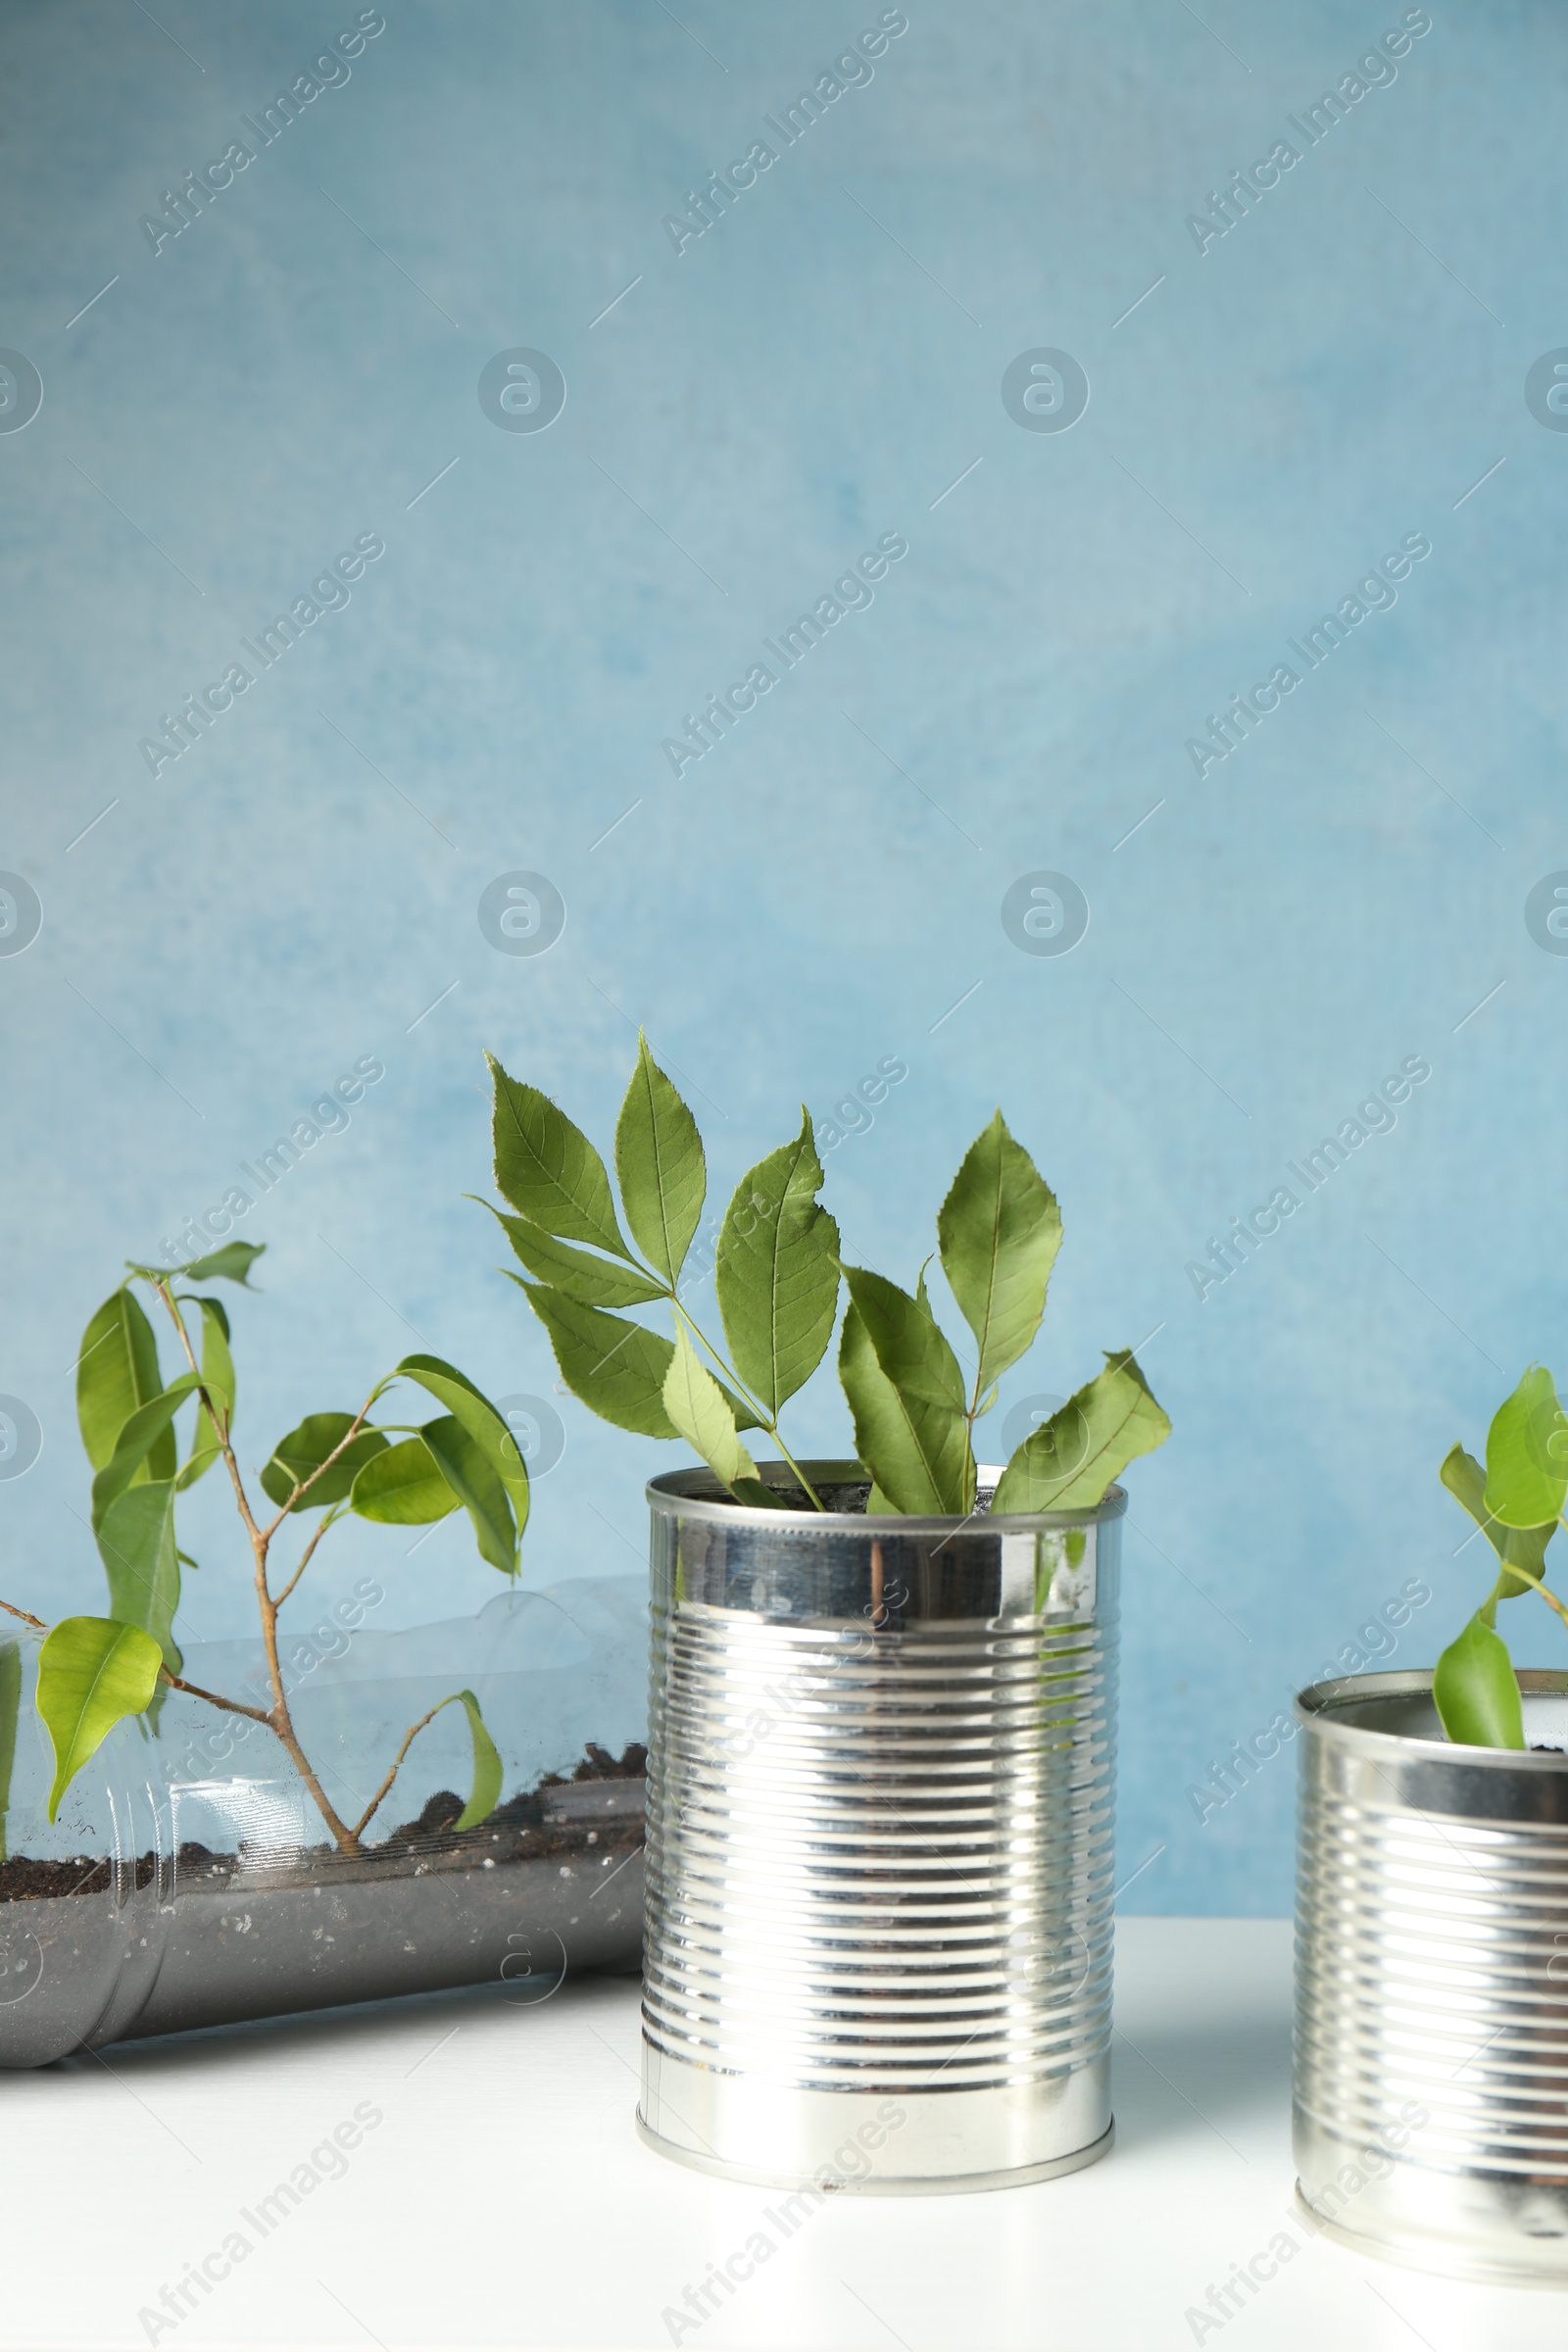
pixel 1517 1502
pixel 777 1272
pixel 93 1672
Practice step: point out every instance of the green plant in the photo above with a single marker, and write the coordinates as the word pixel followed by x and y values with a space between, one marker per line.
pixel 93 1672
pixel 776 1272
pixel 1517 1501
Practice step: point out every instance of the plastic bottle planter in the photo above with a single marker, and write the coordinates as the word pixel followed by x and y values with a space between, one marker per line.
pixel 1432 1981
pixel 178 1889
pixel 879 1840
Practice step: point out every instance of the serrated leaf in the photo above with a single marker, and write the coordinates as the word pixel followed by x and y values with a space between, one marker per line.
pixel 403 1487
pixel 117 1371
pixel 593 1281
pixel 470 1474
pixel 659 1163
pixel 1520 1549
pixel 697 1406
pixel 916 1448
pixel 616 1367
pixel 776 1271
pixel 232 1263
pixel 1067 1464
pixel 1527 1453
pixel 755 1491
pixel 486 1764
pixel 1000 1230
pixel 296 1457
pixel 549 1171
pixel 92 1673
pixel 141 1433
pixel 485 1426
pixel 135 1538
pixel 1477 1692
pixel 911 1345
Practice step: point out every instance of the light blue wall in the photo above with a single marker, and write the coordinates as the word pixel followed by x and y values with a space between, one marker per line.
pixel 1334 374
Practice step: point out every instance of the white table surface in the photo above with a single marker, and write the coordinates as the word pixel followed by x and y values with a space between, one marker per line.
pixel 504 2199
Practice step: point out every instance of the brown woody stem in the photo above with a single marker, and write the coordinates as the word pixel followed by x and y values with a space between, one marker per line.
pixel 231 1707
pixel 278 1719
pixel 413 1734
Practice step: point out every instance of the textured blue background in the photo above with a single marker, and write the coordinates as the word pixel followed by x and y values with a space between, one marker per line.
pixel 816 370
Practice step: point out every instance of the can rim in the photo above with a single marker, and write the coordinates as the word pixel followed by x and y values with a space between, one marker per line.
pixel 1313 1709
pixel 693 1493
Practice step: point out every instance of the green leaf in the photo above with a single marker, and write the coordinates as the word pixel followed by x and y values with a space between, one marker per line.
pixel 117 1371
pixel 141 1433
pixel 659 1160
pixel 218 1364
pixel 910 1345
pixel 232 1263
pixel 697 1404
pixel 485 1426
pixel 1067 1464
pixel 141 1561
pixel 549 1171
pixel 776 1271
pixel 9 1711
pixel 1476 1690
pixel 217 1379
pixel 468 1471
pixel 1000 1230
pixel 593 1281
pixel 486 1765
pixel 916 1448
pixel 754 1490
pixel 1521 1549
pixel 305 1449
pixel 403 1487
pixel 1527 1453
pixel 616 1367
pixel 92 1673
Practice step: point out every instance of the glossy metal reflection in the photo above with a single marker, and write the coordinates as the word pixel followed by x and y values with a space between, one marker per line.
pixel 1432 1981
pixel 879 1840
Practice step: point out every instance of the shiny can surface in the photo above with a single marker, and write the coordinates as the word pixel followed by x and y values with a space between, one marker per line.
pixel 1431 2117
pixel 879 1868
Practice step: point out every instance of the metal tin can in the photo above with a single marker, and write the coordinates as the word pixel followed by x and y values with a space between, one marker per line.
pixel 880 1819
pixel 1431 2120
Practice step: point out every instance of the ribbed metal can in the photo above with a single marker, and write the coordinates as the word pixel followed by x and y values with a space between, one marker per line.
pixel 1431 2120
pixel 881 1821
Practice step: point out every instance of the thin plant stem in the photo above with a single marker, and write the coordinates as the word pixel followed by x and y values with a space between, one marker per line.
pixel 1552 1602
pixel 752 1403
pixel 412 1734
pixel 231 1707
pixel 344 1442
pixel 279 1719
pixel 813 1496
pixel 332 1519
pixel 755 1403
pixel 176 1682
